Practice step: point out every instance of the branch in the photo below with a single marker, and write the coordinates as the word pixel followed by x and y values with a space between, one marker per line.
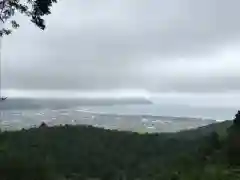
pixel 2 8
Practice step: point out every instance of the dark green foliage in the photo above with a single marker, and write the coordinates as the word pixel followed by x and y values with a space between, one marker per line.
pixel 236 121
pixel 233 142
pixel 34 9
pixel 41 8
pixel 83 152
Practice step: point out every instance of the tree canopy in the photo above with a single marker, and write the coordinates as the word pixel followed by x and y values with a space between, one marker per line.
pixel 35 10
pixel 72 152
pixel 237 119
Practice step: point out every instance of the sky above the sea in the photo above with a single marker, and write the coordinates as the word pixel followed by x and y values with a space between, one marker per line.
pixel 152 48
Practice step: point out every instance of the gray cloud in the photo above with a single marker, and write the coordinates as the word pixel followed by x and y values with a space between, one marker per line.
pixel 128 45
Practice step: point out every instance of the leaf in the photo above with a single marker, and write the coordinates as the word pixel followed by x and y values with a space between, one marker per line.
pixel 35 9
pixel 15 25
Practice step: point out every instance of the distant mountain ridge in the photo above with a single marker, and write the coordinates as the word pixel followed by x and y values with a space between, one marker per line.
pixel 21 103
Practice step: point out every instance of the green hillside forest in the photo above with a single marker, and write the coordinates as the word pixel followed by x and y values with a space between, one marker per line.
pixel 88 153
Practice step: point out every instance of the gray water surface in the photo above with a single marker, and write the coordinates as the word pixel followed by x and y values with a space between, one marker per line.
pixel 140 118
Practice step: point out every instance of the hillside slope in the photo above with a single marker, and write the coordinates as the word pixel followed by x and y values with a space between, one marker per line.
pixel 83 152
pixel 219 127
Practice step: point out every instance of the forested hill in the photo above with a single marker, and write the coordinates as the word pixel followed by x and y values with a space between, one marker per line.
pixel 220 128
pixel 84 152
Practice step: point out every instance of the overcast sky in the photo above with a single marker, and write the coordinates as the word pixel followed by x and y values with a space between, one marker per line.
pixel 147 46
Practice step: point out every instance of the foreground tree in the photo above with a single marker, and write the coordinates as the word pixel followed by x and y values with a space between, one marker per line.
pixel 33 9
pixel 236 121
pixel 234 141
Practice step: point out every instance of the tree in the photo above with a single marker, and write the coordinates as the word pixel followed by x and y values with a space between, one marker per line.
pixel 34 9
pixel 236 120
pixel 233 148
